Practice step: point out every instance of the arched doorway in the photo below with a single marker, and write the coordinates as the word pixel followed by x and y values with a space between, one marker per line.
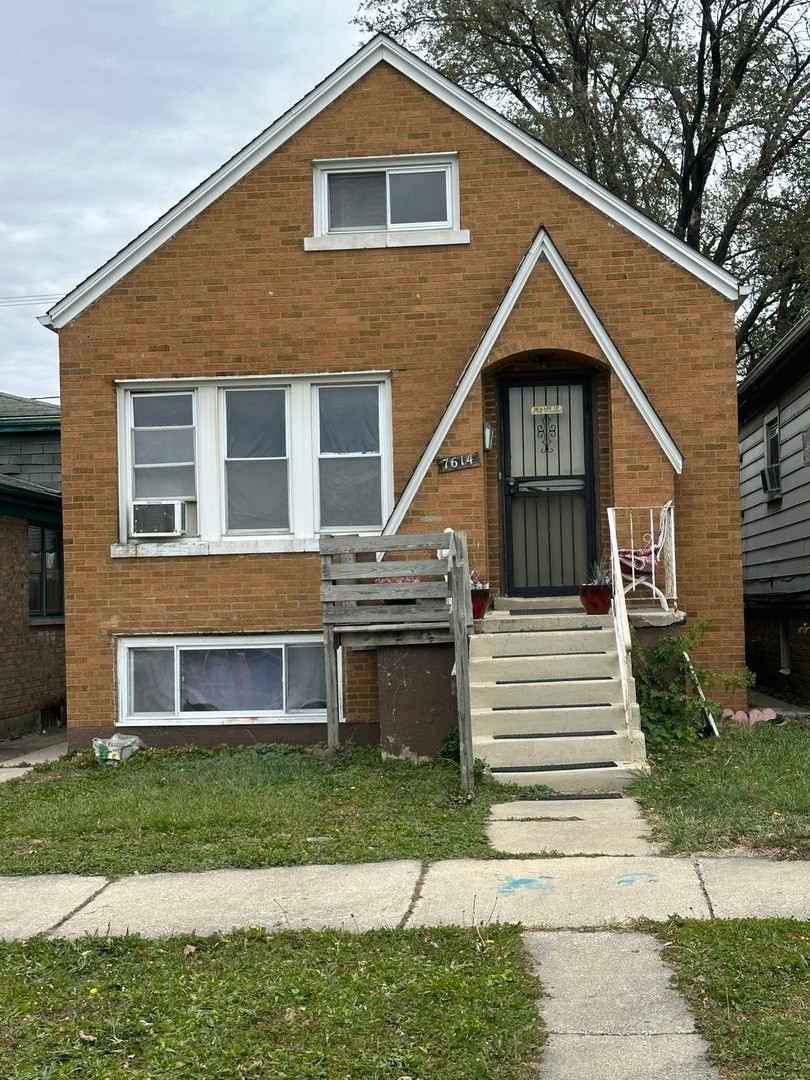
pixel 548 471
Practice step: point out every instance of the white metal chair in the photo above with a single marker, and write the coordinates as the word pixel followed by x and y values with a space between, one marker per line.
pixel 640 564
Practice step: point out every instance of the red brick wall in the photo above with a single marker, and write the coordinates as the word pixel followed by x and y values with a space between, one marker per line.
pixel 234 293
pixel 32 656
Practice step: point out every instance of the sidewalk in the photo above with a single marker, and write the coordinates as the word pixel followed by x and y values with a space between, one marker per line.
pixel 536 892
pixel 17 756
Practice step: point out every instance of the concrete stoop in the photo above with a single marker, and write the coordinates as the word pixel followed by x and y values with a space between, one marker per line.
pixel 547 700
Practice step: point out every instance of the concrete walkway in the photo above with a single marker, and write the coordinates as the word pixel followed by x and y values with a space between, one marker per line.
pixel 611 1011
pixel 18 756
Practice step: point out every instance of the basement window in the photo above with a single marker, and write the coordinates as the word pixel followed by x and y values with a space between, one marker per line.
pixel 192 680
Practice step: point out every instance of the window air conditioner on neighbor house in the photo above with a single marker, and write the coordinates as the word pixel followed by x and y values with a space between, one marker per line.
pixel 771 480
pixel 159 518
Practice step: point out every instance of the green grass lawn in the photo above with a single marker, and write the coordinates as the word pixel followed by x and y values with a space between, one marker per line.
pixel 427 1005
pixel 747 790
pixel 748 982
pixel 192 809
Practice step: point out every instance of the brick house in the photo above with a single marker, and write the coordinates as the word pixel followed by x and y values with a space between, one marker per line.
pixel 32 657
pixel 389 275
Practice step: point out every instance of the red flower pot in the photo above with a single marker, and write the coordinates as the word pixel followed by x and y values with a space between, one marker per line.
pixel 596 598
pixel 480 603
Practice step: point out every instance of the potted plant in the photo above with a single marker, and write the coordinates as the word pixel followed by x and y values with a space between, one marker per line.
pixel 480 594
pixel 597 592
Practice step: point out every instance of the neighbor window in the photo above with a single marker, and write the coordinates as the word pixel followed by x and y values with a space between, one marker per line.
pixel 387 202
pixel 275 460
pixel 263 679
pixel 46 591
pixel 772 473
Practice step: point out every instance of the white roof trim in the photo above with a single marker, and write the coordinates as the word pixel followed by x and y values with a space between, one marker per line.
pixel 379 49
pixel 539 247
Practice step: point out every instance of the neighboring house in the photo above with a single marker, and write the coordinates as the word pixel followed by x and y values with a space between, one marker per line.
pixel 389 275
pixel 32 656
pixel 774 415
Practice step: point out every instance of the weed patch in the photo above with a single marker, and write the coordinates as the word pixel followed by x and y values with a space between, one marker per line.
pixel 193 809
pixel 749 984
pixel 428 1004
pixel 745 791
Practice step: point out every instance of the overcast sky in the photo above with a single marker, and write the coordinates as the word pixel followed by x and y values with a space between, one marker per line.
pixel 115 109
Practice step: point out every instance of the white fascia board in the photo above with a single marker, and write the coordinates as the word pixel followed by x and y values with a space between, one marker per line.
pixel 615 358
pixel 211 189
pixel 380 49
pixel 540 245
pixel 561 170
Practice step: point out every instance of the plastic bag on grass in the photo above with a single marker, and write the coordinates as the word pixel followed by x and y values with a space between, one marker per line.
pixel 117 749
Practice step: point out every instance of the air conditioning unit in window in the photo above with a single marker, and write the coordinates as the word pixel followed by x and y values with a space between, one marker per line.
pixel 159 518
pixel 771 480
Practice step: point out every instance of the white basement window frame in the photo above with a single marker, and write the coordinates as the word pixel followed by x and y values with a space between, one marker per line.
pixel 221 679
pixel 313 443
pixel 391 220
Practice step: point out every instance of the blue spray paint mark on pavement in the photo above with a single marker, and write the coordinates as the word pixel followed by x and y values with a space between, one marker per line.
pixel 634 879
pixel 514 884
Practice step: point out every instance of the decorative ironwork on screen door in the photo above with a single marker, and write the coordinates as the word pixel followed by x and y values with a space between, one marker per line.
pixel 548 481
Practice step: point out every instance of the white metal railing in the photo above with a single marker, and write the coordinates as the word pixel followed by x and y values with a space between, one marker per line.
pixel 621 623
pixel 642 543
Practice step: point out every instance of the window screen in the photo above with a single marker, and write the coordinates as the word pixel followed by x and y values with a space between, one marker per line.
pixel 163 446
pixel 350 462
pixel 256 466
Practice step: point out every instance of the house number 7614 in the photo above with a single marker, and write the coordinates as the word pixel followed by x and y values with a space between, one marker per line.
pixel 458 461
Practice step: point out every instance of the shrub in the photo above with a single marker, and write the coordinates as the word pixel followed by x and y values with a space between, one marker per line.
pixel 671 712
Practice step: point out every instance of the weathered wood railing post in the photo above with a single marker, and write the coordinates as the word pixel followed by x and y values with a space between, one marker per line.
pixel 461 616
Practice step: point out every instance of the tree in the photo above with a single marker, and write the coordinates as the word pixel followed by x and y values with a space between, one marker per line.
pixel 697 112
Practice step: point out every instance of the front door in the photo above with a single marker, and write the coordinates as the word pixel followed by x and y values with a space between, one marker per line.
pixel 547 484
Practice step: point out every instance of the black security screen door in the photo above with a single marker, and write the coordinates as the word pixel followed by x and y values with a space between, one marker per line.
pixel 547 485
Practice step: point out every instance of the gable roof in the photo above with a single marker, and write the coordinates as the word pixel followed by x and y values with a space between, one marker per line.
pixel 785 362
pixel 540 247
pixel 18 413
pixel 383 49
pixel 34 503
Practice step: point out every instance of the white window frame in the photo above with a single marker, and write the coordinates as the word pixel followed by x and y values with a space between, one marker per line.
pixel 210 536
pixel 215 641
pixel 394 235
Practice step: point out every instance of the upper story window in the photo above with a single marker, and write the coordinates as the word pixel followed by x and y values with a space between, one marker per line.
pixel 386 202
pixel 268 463
pixel 46 591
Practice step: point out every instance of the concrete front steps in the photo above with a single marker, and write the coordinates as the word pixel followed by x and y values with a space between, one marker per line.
pixel 546 697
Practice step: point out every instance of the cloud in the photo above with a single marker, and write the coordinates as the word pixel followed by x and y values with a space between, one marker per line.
pixel 114 111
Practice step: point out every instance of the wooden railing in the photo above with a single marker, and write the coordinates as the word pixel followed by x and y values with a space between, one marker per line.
pixel 420 595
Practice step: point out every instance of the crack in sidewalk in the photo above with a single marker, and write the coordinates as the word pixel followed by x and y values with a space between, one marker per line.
pixel 74 911
pixel 703 888
pixel 416 896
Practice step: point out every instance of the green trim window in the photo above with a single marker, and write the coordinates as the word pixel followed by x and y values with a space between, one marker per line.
pixel 46 589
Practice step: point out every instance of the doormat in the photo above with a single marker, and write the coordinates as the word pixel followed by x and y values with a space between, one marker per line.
pixel 546 611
